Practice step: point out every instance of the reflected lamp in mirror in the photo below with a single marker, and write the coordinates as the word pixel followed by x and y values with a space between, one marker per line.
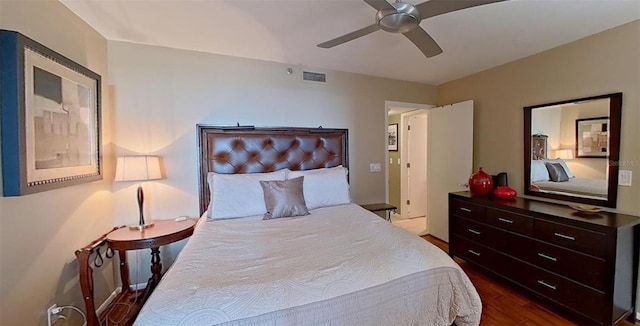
pixel 138 168
pixel 564 154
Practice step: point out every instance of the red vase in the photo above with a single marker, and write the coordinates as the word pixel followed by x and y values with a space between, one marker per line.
pixel 480 183
pixel 505 192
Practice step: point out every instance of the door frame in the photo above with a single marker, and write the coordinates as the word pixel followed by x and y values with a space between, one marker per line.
pixel 409 109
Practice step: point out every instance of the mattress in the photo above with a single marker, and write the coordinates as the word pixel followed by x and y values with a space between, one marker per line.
pixel 594 188
pixel 340 265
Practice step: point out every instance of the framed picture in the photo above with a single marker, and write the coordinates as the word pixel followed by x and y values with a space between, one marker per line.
pixel 50 109
pixel 592 137
pixel 392 144
pixel 539 147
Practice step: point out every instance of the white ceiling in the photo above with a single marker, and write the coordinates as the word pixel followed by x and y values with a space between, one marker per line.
pixel 287 31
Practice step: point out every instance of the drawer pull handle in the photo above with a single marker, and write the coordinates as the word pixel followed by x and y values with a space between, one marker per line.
pixel 465 209
pixel 547 257
pixel 552 287
pixel 505 220
pixel 568 237
pixel 474 252
pixel 474 231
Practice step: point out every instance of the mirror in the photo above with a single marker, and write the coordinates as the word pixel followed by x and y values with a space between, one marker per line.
pixel 571 150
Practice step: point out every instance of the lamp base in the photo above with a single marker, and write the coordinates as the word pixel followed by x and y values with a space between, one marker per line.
pixel 141 227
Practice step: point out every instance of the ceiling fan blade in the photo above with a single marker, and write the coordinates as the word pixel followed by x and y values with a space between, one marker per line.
pixel 380 4
pixel 424 42
pixel 348 37
pixel 433 8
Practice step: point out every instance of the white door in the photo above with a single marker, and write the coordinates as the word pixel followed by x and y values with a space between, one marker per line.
pixel 417 165
pixel 450 154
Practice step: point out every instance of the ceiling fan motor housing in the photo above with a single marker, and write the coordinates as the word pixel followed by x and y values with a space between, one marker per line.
pixel 404 18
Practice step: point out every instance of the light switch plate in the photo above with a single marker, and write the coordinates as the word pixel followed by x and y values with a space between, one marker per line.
pixel 375 167
pixel 624 178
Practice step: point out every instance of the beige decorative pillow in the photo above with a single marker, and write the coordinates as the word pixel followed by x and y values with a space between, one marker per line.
pixel 284 198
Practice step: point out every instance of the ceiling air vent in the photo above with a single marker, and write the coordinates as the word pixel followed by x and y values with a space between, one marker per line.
pixel 314 77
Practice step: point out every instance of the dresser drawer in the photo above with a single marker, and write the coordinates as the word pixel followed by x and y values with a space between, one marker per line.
pixel 510 221
pixel 467 209
pixel 582 268
pixel 581 299
pixel 586 241
pixel 479 254
pixel 481 233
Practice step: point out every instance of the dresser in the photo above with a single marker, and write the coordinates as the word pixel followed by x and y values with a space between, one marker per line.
pixel 584 264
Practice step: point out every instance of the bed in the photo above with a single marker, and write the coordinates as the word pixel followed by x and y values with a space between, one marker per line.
pixel 335 263
pixel 545 178
pixel 583 187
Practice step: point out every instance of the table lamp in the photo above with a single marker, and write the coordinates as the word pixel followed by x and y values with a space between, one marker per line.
pixel 565 154
pixel 138 168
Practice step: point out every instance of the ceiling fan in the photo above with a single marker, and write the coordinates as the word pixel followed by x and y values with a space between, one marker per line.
pixel 402 17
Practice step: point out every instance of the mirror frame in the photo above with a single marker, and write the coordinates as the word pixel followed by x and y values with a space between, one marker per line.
pixel 615 109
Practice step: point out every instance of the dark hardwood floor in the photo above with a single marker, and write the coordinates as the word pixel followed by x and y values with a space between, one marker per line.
pixel 503 304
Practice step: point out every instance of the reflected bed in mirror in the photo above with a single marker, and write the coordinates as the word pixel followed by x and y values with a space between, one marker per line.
pixel 571 149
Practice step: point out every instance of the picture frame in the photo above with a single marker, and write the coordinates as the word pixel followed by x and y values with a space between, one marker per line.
pixel 539 147
pixel 393 137
pixel 592 137
pixel 50 107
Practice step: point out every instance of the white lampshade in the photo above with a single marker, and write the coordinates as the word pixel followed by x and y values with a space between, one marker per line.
pixel 138 168
pixel 565 154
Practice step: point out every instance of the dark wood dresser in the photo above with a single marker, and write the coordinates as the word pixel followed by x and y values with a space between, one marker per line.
pixel 584 264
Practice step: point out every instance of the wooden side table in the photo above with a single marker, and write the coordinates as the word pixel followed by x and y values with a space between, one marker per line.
pixel 125 307
pixel 379 207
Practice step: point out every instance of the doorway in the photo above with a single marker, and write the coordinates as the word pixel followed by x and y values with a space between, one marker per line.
pixel 406 185
pixel 448 161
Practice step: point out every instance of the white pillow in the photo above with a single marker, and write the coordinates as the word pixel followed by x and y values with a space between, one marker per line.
pixel 239 195
pixel 324 187
pixel 539 171
pixel 564 166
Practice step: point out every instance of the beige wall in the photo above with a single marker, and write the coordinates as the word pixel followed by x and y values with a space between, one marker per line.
pixel 394 170
pixel 161 94
pixel 604 63
pixel 594 168
pixel 39 233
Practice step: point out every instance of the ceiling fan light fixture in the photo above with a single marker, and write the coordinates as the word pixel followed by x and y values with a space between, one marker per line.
pixel 404 18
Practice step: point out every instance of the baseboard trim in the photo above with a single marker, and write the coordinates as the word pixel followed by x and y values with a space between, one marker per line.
pixel 115 293
pixel 107 301
pixel 638 316
pixel 139 286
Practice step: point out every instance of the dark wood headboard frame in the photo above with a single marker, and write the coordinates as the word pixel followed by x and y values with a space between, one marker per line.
pixel 252 150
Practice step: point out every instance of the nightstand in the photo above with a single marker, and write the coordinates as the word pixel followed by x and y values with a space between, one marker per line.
pixel 380 207
pixel 162 233
pixel 127 304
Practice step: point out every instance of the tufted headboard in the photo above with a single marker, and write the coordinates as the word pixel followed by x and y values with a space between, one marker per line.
pixel 254 150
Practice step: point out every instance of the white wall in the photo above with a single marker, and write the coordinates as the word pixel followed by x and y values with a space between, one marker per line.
pixel 547 122
pixel 160 94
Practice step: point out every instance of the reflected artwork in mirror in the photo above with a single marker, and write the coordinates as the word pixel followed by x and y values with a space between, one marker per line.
pixel 571 149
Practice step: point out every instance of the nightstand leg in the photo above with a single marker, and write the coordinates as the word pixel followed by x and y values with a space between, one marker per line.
pixel 156 268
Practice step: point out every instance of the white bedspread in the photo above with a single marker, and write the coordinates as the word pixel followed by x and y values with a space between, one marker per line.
pixel 340 265
pixel 594 188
